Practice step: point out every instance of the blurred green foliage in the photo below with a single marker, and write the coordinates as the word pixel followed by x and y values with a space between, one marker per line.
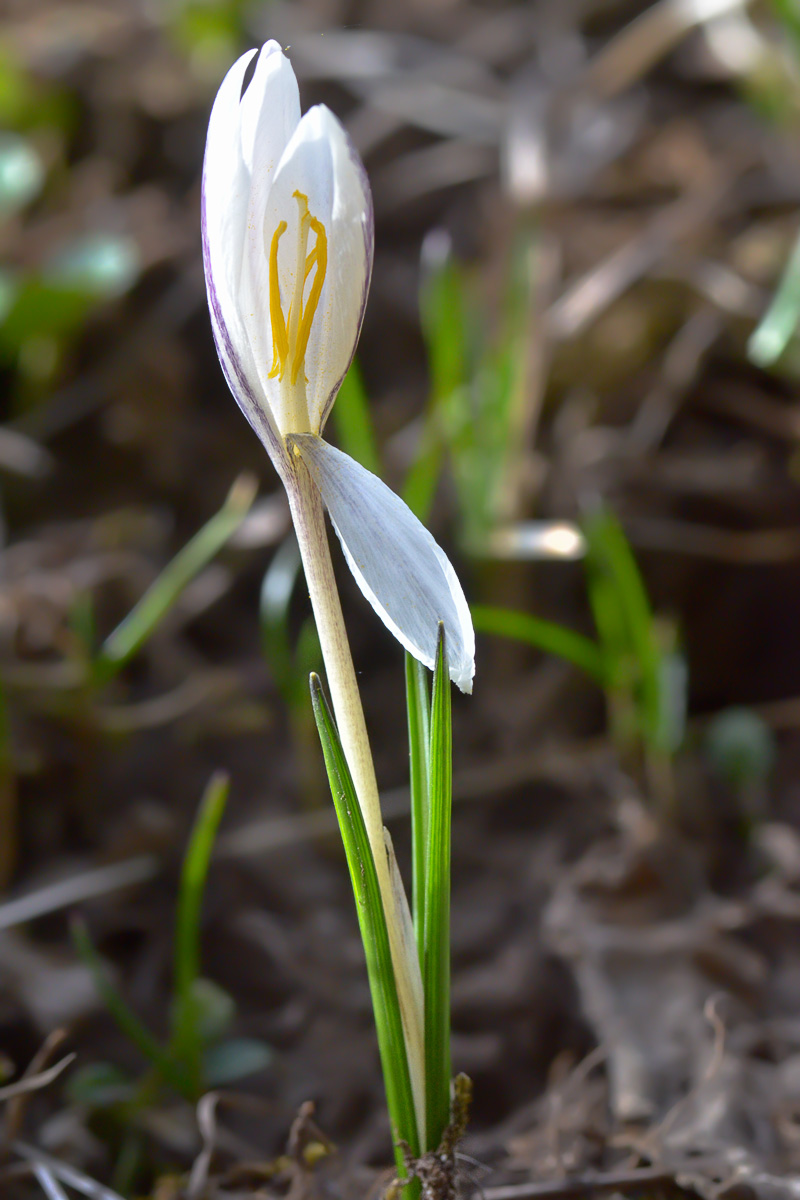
pixel 636 657
pixel 478 405
pixel 198 1053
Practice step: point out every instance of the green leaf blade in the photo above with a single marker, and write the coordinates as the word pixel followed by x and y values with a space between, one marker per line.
pixel 187 1039
pixel 134 1029
pixel 353 421
pixel 135 629
pixel 374 933
pixel 436 962
pixel 419 724
pixel 543 635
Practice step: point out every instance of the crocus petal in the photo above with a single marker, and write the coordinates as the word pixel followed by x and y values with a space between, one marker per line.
pixel 246 136
pixel 406 577
pixel 319 164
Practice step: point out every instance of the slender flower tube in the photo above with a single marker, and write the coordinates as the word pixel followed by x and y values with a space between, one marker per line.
pixel 287 249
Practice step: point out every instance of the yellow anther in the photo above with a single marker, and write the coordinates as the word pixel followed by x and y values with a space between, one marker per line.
pixel 290 334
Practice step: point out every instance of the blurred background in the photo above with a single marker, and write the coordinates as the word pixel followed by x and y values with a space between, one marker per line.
pixel 580 367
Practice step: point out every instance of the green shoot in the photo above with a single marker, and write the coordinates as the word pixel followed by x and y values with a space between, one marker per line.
pixel 198 1054
pixel 290 663
pixel 436 962
pixel 483 396
pixel 789 15
pixel 187 1042
pixel 134 1029
pixel 635 660
pixel 419 723
pixel 626 627
pixel 443 316
pixel 777 327
pixel 544 635
pixel 353 422
pixel 374 934
pixel 131 634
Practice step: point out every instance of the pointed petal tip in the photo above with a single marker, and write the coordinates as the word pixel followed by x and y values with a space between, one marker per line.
pixel 463 678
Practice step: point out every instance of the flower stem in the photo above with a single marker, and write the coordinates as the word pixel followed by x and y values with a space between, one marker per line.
pixel 308 516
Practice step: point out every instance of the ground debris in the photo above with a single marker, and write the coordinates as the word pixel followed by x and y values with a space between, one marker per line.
pixel 439 1171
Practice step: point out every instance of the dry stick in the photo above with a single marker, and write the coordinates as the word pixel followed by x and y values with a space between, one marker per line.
pixel 16 1105
pixel 583 1185
pixel 644 41
pixel 312 537
pixel 86 886
pixel 66 1173
pixel 588 297
pixel 49 1184
pixel 32 1083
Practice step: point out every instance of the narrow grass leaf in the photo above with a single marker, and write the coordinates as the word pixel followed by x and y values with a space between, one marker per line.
pixel 131 634
pixel 623 614
pixel 789 14
pixel 444 327
pixel 408 951
pixel 125 1017
pixel 374 934
pixel 544 635
pixel 436 965
pixel 779 323
pixel 352 420
pixel 419 734
pixel 422 480
pixel 187 1038
pixel 277 588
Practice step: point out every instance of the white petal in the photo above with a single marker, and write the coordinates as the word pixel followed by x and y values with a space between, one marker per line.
pixel 319 163
pixel 226 186
pixel 270 112
pixel 234 130
pixel 406 577
pixel 335 333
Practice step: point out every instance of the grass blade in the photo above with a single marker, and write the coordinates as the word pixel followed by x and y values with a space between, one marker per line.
pixel 444 327
pixel 615 582
pixel 543 635
pixel 187 1043
pixel 353 421
pixel 277 588
pixel 125 1017
pixel 779 323
pixel 419 734
pixel 436 965
pixel 789 14
pixel 374 934
pixel 131 634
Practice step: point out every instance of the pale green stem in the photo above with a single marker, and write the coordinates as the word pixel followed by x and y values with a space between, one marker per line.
pixel 309 523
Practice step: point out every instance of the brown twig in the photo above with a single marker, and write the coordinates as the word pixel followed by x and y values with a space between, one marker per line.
pixel 582 1185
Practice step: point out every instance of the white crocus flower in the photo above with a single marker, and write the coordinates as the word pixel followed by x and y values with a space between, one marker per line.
pixel 287 247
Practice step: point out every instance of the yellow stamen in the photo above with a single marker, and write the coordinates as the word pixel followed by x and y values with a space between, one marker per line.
pixel 290 334
pixel 320 258
pixel 280 342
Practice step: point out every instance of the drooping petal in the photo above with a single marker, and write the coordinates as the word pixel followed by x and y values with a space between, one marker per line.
pixel 246 136
pixel 401 570
pixel 320 166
